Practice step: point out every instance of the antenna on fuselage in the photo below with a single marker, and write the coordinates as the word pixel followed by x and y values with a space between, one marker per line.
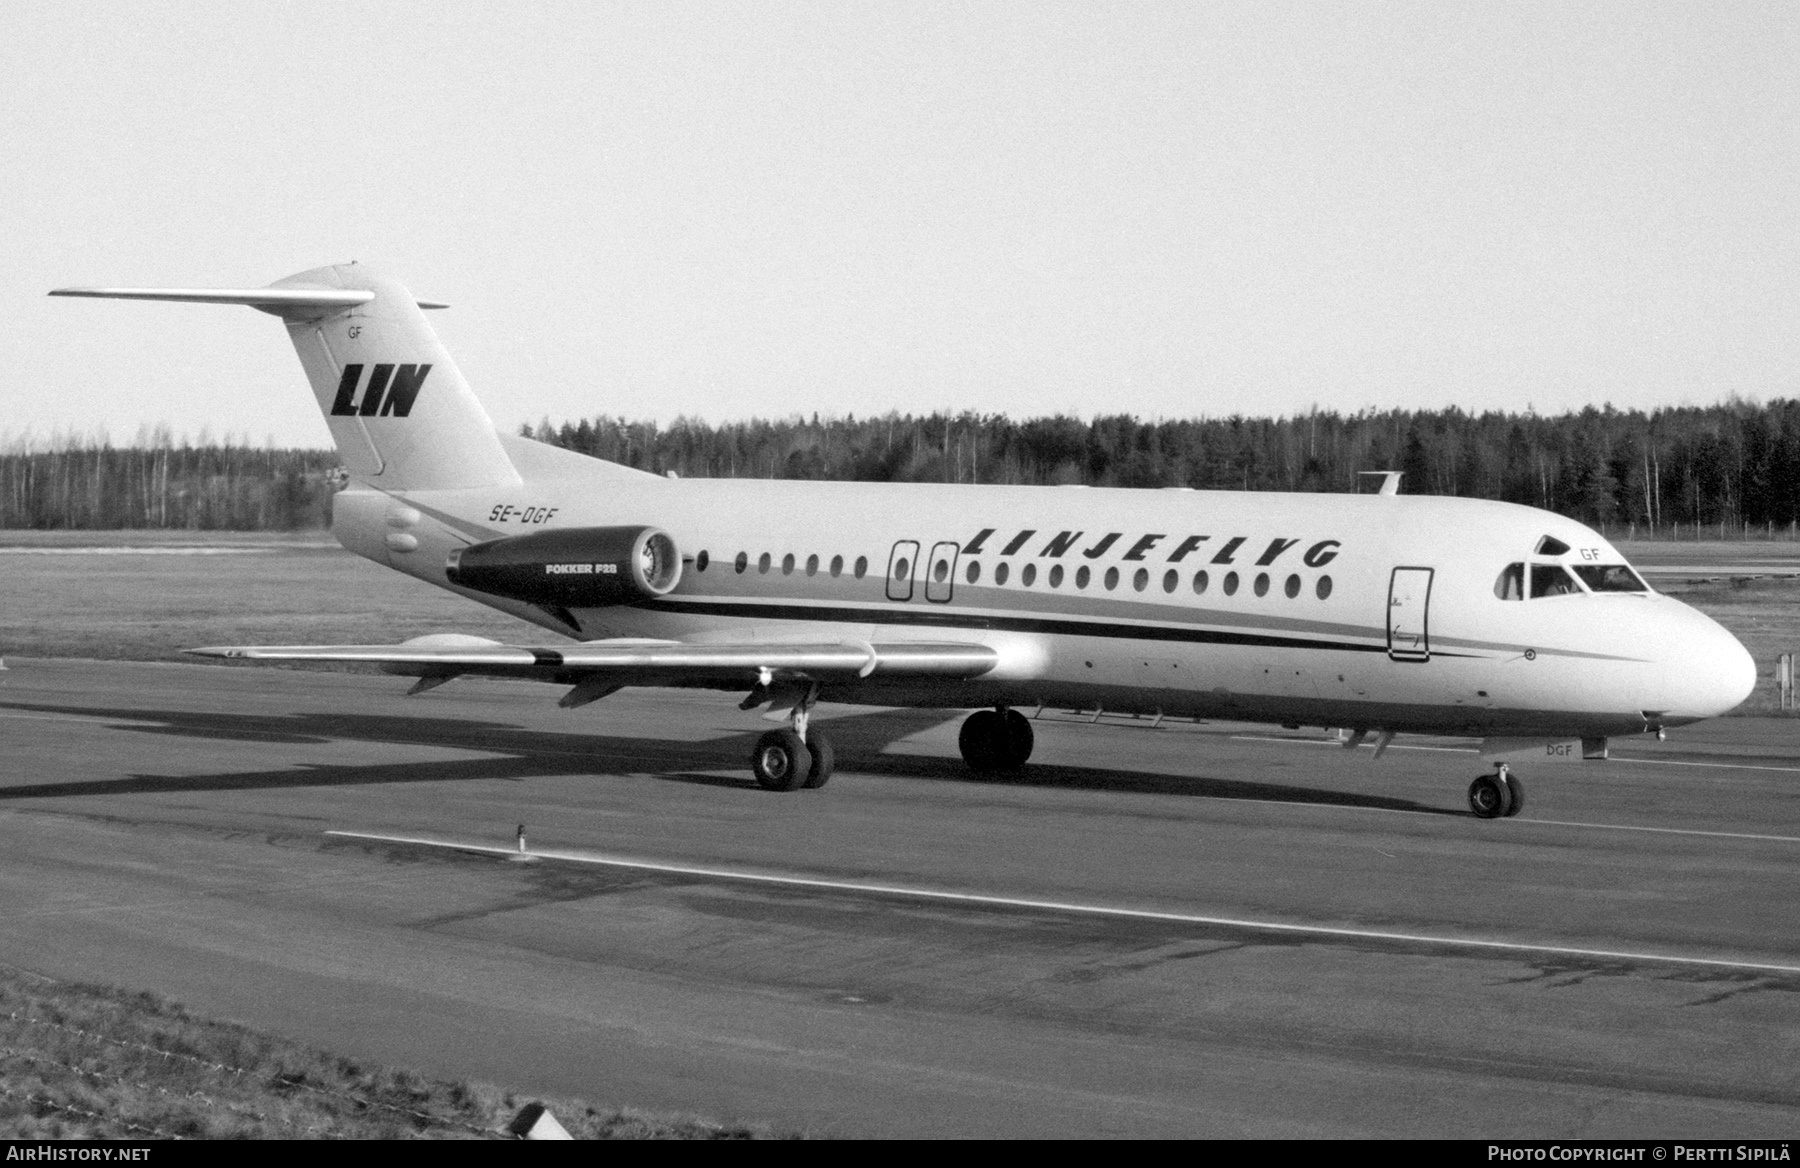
pixel 1390 480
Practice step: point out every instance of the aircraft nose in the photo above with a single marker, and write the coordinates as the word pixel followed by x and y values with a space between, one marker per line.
pixel 1707 673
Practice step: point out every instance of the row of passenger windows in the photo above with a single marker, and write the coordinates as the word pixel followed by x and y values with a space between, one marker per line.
pixel 742 563
pixel 1140 580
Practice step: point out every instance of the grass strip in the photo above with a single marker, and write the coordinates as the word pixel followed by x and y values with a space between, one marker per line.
pixel 94 1062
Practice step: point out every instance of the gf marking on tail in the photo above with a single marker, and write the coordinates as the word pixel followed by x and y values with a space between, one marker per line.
pixel 392 390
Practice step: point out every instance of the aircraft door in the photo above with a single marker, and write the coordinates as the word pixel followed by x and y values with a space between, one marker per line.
pixel 940 577
pixel 1408 623
pixel 902 564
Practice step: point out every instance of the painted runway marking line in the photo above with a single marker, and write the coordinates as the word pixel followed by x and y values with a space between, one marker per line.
pixel 1070 907
pixel 1739 835
pixel 89 718
pixel 1727 766
pixel 140 551
pixel 1633 759
pixel 1333 742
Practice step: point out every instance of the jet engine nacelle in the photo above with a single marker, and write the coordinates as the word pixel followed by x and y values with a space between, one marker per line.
pixel 572 567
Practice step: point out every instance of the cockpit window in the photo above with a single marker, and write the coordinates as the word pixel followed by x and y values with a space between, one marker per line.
pixel 1510 585
pixel 1551 580
pixel 1551 546
pixel 1610 578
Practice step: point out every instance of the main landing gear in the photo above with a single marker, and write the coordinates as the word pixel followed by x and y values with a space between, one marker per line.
pixel 1497 795
pixel 790 758
pixel 996 740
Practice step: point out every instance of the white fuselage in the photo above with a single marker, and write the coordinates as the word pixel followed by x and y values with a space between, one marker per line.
pixel 1374 612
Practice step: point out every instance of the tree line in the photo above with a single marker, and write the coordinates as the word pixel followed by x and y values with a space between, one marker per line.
pixel 201 488
pixel 1733 466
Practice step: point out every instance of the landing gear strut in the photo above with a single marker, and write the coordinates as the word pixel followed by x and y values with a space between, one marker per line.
pixel 996 740
pixel 1498 795
pixel 791 757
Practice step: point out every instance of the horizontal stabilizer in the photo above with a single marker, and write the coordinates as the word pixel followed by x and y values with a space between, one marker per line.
pixel 278 301
pixel 635 662
pixel 400 412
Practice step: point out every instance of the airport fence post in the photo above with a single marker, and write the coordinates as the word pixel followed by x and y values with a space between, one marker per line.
pixel 1784 680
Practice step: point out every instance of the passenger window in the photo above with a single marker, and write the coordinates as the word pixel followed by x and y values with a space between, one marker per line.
pixel 862 566
pixel 1610 578
pixel 1551 580
pixel 1292 587
pixel 1231 583
pixel 743 561
pixel 1029 576
pixel 812 565
pixel 1170 579
pixel 1056 575
pixel 1001 573
pixel 974 572
pixel 1510 585
pixel 701 560
pixel 837 565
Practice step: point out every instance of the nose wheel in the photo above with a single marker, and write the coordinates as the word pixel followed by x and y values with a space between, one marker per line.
pixel 1497 796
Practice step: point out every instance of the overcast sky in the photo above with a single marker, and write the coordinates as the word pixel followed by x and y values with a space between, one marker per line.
pixel 726 210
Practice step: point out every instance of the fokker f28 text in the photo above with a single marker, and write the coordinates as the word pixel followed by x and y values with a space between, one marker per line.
pixel 1379 614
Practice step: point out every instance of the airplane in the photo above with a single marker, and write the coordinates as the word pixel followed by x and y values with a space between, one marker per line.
pixel 1377 614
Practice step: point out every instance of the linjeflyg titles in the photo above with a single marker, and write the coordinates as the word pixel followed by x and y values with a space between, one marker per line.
pixel 1154 545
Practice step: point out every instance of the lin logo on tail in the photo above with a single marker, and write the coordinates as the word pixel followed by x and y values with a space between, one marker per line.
pixel 392 389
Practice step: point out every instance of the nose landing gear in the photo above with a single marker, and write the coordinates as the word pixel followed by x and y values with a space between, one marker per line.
pixel 996 740
pixel 1498 795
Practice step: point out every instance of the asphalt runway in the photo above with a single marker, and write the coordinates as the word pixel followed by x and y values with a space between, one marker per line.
pixel 1207 930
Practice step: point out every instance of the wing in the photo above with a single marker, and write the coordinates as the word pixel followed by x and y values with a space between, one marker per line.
pixel 597 668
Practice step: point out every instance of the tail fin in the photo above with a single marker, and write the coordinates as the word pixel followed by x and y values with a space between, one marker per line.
pixel 399 410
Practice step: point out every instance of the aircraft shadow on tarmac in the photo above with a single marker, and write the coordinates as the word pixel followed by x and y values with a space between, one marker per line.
pixel 860 739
